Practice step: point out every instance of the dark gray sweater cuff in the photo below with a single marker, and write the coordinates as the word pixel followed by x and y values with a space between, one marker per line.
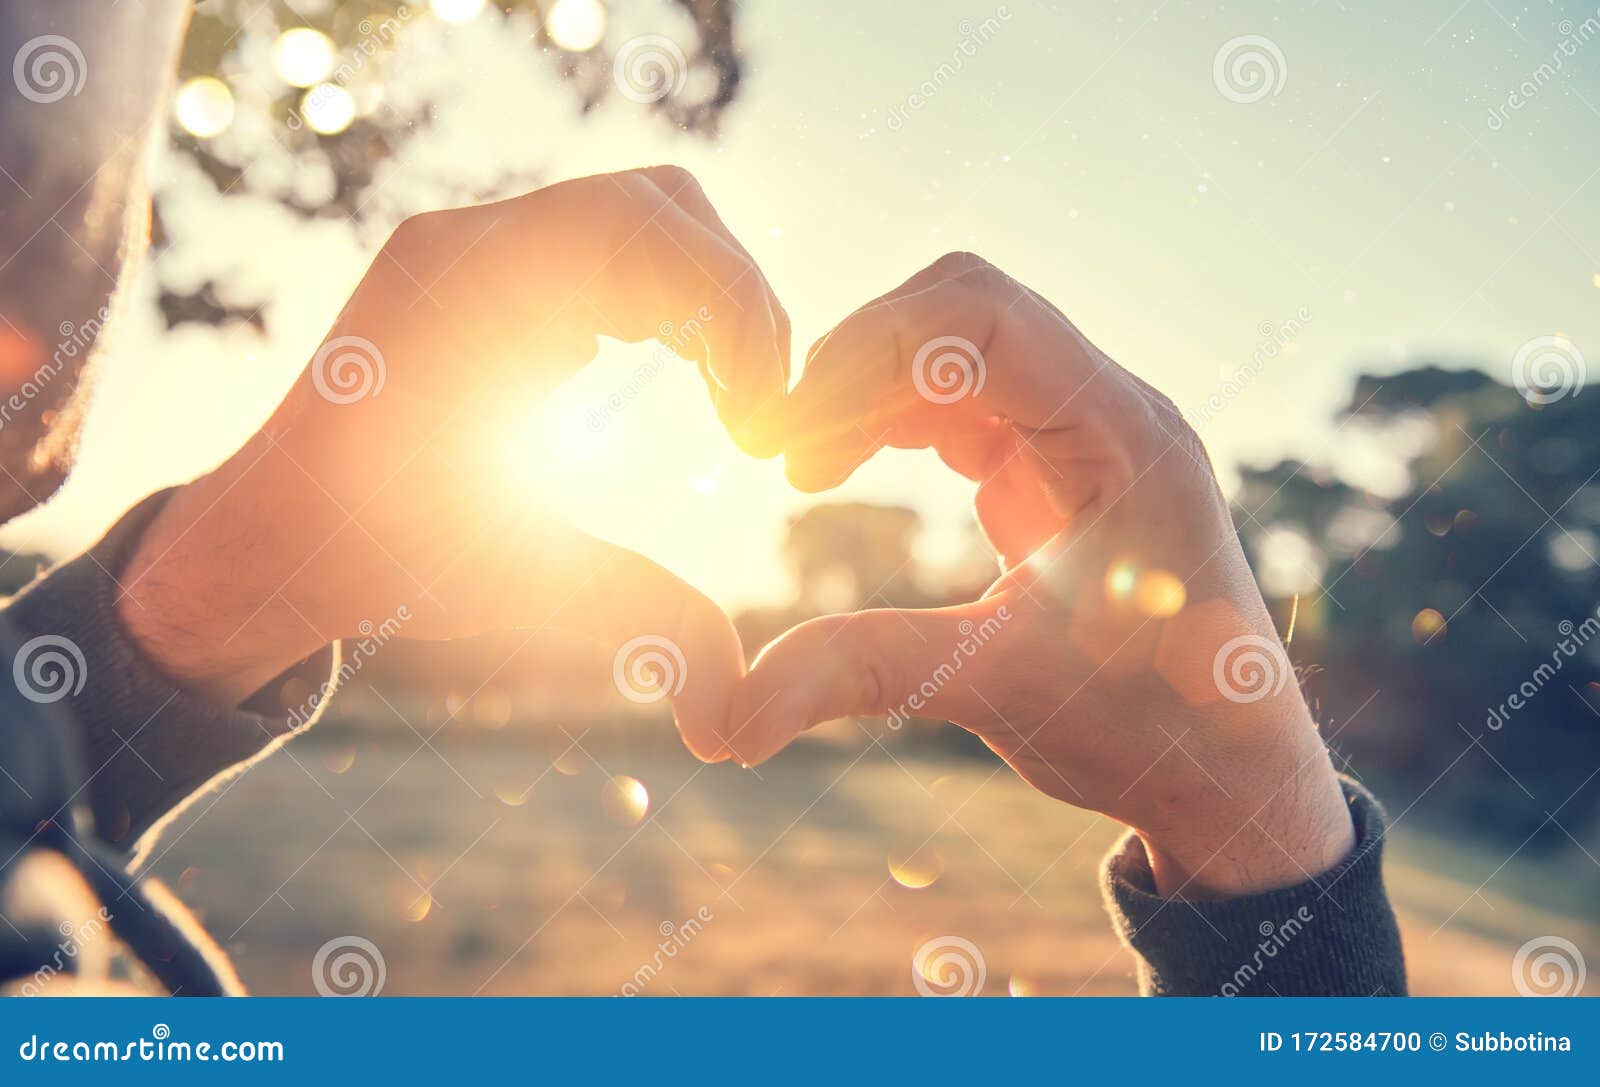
pixel 147 746
pixel 1333 935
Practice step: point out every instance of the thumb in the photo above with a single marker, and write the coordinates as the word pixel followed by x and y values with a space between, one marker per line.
pixel 668 640
pixel 899 663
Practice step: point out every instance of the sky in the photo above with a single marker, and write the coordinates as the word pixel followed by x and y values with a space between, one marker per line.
pixel 1379 199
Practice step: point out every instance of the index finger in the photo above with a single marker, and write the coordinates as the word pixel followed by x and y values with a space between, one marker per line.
pixel 942 357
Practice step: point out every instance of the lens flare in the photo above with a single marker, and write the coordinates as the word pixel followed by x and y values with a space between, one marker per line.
pixel 625 800
pixel 916 870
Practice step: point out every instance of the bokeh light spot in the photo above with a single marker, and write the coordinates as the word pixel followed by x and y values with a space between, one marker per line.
pixel 917 870
pixel 1022 986
pixel 1427 626
pixel 328 109
pixel 626 800
pixel 1159 594
pixel 457 11
pixel 204 107
pixel 577 25
pixel 302 56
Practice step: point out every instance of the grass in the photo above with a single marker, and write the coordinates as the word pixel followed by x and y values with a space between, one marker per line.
pixel 481 864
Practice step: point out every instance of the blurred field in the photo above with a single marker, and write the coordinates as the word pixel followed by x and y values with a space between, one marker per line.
pixel 489 863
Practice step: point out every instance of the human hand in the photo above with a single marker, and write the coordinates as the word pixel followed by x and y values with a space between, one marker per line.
pixel 381 482
pixel 1124 661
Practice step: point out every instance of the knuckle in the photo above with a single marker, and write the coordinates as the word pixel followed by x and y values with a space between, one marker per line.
pixel 957 262
pixel 984 278
pixel 672 178
pixel 418 229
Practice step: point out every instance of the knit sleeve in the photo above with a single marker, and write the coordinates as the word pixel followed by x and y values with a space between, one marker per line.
pixel 1333 935
pixel 146 746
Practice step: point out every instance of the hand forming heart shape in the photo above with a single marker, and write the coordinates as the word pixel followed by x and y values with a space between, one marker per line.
pixel 1099 665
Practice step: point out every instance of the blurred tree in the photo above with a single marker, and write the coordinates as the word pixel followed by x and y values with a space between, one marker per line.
pixel 851 555
pixel 342 126
pixel 1441 608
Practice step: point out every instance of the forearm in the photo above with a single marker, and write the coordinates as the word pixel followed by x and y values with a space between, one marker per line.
pixel 146 743
pixel 206 591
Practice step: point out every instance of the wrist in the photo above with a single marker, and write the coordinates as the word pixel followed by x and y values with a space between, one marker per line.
pixel 200 593
pixel 1284 823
